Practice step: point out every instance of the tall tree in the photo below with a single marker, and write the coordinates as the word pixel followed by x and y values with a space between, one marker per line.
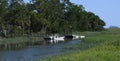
pixel 3 10
pixel 50 16
pixel 17 17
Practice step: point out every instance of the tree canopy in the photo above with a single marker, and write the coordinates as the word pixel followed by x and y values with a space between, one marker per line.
pixel 49 16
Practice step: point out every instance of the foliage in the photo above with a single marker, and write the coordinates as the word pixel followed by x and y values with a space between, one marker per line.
pixel 52 16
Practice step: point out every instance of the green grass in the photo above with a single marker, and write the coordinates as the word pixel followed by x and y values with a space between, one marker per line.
pixel 20 42
pixel 101 46
pixel 21 39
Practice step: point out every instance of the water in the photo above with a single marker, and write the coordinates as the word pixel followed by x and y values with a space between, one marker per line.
pixel 36 53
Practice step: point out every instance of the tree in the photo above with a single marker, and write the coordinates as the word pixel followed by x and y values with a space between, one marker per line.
pixel 17 17
pixel 3 10
pixel 50 12
pixel 81 20
pixel 50 16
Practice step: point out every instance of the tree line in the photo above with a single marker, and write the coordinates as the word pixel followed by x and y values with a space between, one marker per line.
pixel 49 16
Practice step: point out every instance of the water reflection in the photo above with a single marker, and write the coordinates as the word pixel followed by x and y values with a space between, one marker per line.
pixel 34 53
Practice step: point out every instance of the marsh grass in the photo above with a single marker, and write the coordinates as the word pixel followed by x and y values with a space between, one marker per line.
pixel 20 42
pixel 101 46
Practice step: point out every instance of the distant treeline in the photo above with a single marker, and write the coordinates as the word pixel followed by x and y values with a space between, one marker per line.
pixel 49 16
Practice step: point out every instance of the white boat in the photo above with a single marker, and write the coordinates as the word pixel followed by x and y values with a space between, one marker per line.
pixel 82 37
pixel 77 37
pixel 55 38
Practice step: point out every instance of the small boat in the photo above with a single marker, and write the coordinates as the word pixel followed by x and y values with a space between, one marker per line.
pixel 54 38
pixel 82 37
pixel 74 37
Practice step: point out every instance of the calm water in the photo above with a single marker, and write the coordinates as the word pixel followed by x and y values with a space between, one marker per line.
pixel 35 53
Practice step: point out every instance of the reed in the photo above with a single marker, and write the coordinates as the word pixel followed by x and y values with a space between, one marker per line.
pixel 19 42
pixel 103 46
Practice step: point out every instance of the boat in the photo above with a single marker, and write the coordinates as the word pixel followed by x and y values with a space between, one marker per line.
pixel 74 37
pixel 54 38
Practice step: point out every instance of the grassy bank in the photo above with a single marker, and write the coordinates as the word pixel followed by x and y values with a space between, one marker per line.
pixel 98 46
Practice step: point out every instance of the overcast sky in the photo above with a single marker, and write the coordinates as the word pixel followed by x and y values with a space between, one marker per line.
pixel 107 10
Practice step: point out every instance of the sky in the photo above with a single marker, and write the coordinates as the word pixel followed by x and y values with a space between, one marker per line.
pixel 107 10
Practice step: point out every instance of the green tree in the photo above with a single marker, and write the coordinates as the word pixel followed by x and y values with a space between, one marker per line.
pixel 50 16
pixel 3 10
pixel 17 17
